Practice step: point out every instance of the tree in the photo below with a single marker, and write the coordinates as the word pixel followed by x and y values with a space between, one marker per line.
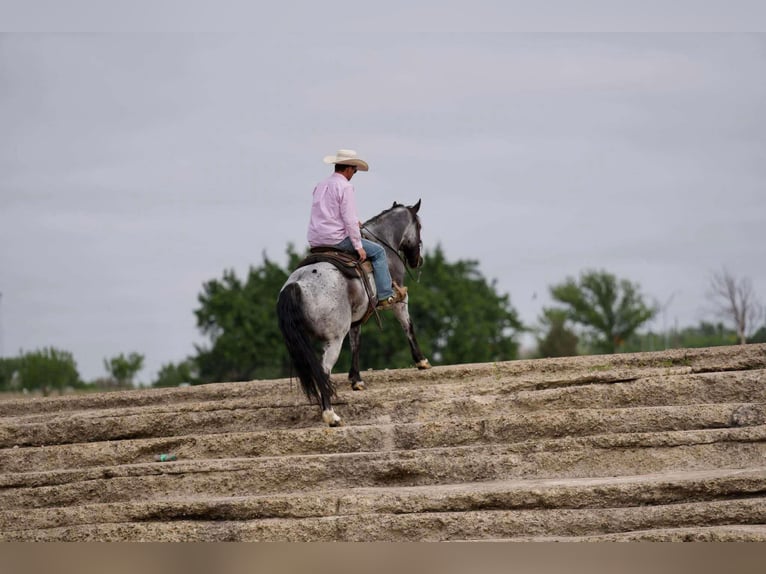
pixel 172 375
pixel 123 369
pixel 759 336
pixel 609 309
pixel 558 340
pixel 735 301
pixel 46 369
pixel 458 315
pixel 9 368
pixel 240 319
pixel 703 335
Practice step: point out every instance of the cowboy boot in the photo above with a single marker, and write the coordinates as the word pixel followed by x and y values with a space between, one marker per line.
pixel 400 293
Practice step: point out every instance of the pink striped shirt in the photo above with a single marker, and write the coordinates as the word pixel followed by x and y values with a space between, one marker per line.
pixel 333 213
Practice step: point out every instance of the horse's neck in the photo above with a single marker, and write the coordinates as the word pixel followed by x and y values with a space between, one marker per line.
pixel 386 231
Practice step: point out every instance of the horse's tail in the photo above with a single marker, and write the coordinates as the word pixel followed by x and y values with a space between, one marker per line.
pixel 292 323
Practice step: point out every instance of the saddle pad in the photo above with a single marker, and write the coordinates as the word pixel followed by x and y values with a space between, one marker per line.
pixel 346 263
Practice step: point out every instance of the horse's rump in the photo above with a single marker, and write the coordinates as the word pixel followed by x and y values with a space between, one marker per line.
pixel 351 268
pixel 295 331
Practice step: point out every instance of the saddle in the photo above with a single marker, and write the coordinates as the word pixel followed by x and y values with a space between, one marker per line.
pixel 350 266
pixel 348 263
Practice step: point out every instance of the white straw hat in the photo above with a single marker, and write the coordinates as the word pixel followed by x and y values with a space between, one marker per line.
pixel 347 157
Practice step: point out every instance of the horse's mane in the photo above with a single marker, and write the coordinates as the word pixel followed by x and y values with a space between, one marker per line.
pixel 396 205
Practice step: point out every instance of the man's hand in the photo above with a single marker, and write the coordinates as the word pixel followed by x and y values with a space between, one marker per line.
pixel 362 254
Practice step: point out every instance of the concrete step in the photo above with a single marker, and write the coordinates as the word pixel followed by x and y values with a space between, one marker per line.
pixel 539 374
pixel 565 458
pixel 589 493
pixel 723 533
pixel 375 406
pixel 422 526
pixel 648 446
pixel 107 449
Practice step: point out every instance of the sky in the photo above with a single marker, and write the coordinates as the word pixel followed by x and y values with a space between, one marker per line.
pixel 136 166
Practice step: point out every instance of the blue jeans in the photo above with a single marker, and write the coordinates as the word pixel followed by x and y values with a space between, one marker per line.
pixel 377 256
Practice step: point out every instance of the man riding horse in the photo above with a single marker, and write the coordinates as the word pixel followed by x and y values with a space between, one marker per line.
pixel 322 303
pixel 334 223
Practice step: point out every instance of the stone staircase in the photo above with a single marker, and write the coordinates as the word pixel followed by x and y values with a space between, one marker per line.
pixel 652 446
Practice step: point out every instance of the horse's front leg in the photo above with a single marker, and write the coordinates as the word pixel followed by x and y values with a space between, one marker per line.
pixel 402 314
pixel 354 340
pixel 329 358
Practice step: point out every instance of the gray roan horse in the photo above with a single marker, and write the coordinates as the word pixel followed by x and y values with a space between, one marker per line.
pixel 318 303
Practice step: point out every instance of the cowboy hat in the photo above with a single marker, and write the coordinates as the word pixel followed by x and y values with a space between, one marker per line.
pixel 347 157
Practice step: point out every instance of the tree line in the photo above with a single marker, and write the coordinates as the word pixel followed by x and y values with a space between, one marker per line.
pixel 459 315
pixel 49 369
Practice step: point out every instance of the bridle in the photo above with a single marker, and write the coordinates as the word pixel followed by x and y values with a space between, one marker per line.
pixel 396 252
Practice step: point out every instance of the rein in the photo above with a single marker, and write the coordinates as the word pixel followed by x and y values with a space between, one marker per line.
pixel 396 251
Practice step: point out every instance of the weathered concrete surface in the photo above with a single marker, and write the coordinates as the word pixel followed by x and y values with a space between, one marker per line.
pixel 650 446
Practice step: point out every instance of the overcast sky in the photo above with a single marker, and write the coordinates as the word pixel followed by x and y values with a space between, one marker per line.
pixel 135 167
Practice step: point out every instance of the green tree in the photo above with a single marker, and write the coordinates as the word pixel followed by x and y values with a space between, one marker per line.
pixel 123 369
pixel 47 369
pixel 172 375
pixel 703 335
pixel 458 315
pixel 759 336
pixel 558 339
pixel 610 310
pixel 240 319
pixel 9 368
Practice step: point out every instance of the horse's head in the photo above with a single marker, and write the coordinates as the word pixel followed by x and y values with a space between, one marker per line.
pixel 398 228
pixel 411 242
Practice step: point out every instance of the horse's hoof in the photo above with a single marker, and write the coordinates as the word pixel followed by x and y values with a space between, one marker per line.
pixel 422 365
pixel 331 418
pixel 358 386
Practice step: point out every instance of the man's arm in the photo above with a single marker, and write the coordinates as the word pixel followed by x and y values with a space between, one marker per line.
pixel 350 218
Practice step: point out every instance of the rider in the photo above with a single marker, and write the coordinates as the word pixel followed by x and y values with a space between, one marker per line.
pixel 334 222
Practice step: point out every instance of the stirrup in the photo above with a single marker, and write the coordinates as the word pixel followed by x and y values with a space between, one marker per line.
pixel 384 304
pixel 400 294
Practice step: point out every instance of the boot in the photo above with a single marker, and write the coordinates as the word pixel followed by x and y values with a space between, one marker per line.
pixel 400 293
pixel 384 304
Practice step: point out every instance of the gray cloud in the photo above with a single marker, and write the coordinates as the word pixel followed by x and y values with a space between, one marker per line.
pixel 134 167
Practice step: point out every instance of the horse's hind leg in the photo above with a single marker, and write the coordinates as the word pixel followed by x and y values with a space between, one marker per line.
pixel 354 339
pixel 329 357
pixel 402 314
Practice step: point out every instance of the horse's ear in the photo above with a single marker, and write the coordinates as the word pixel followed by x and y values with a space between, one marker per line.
pixel 416 207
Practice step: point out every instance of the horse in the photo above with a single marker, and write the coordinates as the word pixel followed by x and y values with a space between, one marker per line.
pixel 318 303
